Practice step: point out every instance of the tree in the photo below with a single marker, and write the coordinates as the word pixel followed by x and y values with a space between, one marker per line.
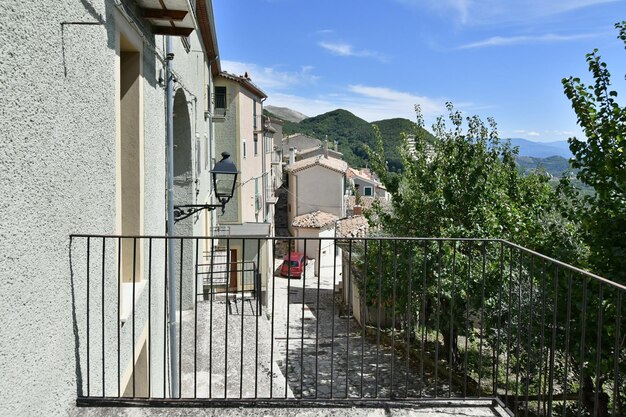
pixel 601 164
pixel 464 184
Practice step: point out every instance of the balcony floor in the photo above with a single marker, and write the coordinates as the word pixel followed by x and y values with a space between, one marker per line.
pixel 485 409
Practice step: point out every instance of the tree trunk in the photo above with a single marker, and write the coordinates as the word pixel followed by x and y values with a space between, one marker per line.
pixel 451 346
pixel 589 398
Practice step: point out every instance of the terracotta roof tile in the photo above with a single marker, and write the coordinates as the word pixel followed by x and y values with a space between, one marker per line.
pixel 317 219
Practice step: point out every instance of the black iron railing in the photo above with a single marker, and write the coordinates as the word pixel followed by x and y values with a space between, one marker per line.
pixel 367 320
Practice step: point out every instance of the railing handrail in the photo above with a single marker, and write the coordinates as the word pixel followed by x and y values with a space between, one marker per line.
pixel 369 238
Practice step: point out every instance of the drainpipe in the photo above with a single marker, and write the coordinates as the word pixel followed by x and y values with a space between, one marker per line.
pixel 169 97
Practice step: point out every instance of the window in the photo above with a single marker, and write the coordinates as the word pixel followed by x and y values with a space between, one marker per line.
pixel 368 191
pixel 220 100
pixel 245 151
pixel 256 145
pixel 254 122
pixel 268 144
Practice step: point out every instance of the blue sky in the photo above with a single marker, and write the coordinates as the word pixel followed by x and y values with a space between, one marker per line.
pixel 376 58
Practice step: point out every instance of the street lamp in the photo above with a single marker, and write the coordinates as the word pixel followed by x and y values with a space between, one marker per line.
pixel 224 174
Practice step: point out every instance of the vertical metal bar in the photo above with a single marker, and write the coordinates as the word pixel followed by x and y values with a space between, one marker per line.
pixel 363 312
pixel 531 271
pixel 496 364
pixel 195 324
pixel 211 315
pixel 102 315
pixel 510 321
pixel 409 312
pixel 519 324
pixel 599 348
pixel 243 282
pixel 482 317
pixel 180 320
pixel 287 323
pixel 270 365
pixel 132 342
pixel 467 310
pixel 380 274
pixel 88 309
pixel 542 336
pixel 423 319
pixel 319 315
pixel 118 319
pixel 583 319
pixel 555 306
pixel 226 304
pixel 332 327
pixel 258 295
pixel 149 370
pixel 452 335
pixel 438 317
pixel 167 279
pixel 348 315
pixel 302 321
pixel 567 336
pixel 616 354
pixel 393 312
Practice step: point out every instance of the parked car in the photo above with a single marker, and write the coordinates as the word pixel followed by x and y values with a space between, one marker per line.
pixel 293 265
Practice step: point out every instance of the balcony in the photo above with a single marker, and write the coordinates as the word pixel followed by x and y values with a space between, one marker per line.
pixel 393 323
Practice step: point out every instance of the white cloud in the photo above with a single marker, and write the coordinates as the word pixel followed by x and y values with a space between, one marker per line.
pixel 495 12
pixel 367 102
pixel 345 49
pixel 533 134
pixel 511 40
pixel 567 133
pixel 269 78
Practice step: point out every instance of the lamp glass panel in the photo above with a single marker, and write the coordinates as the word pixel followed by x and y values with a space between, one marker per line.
pixel 224 184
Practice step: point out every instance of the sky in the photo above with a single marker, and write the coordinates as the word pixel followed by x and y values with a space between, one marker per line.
pixel 378 58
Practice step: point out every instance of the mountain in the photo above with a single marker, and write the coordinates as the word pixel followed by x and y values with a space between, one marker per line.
pixel 353 133
pixel 286 114
pixel 542 149
pixel 553 165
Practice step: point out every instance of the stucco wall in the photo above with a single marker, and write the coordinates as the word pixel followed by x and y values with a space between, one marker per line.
pixel 318 188
pixel 57 177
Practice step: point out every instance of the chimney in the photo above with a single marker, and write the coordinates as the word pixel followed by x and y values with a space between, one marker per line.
pixel 326 149
pixel 336 146
pixel 292 155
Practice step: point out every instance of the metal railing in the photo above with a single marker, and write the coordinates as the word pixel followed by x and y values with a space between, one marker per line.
pixel 371 320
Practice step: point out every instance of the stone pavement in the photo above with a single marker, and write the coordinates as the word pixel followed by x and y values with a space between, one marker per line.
pixel 300 346
pixel 322 353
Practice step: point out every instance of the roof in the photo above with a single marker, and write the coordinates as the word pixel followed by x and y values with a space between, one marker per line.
pixel 367 202
pixel 310 152
pixel 245 81
pixel 317 219
pixel 355 226
pixel 330 163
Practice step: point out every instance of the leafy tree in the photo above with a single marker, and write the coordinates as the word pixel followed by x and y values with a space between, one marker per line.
pixel 601 164
pixel 464 184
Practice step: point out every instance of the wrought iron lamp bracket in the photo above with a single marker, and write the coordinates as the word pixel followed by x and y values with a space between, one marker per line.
pixel 184 211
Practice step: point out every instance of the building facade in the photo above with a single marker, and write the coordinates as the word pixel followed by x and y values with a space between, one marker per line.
pixel 84 152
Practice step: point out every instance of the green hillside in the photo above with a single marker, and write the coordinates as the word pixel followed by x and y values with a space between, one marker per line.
pixel 556 166
pixel 353 133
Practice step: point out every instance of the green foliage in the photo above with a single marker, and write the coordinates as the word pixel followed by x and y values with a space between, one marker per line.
pixel 601 164
pixel 467 184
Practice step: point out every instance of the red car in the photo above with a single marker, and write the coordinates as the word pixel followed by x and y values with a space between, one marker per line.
pixel 293 265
